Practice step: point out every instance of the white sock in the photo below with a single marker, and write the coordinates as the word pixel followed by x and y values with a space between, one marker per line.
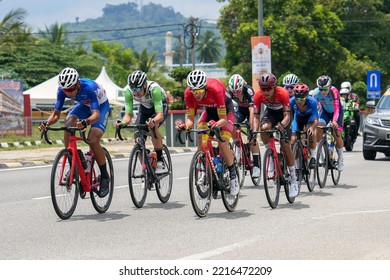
pixel 313 152
pixel 292 173
pixel 340 152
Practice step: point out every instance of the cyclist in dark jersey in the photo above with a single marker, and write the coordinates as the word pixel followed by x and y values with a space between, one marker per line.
pixel 92 109
pixel 304 108
pixel 276 115
pixel 210 93
pixel 242 94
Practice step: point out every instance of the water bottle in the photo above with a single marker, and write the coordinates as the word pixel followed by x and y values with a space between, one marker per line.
pixel 81 156
pixel 88 159
pixel 153 159
pixel 217 164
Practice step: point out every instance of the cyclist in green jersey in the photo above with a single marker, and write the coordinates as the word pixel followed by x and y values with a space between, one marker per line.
pixel 153 109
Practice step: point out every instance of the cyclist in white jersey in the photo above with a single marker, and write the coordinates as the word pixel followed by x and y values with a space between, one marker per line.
pixel 92 109
pixel 153 109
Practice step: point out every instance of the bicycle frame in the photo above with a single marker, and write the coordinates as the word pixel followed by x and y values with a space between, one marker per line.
pixel 272 146
pixel 208 149
pixel 247 161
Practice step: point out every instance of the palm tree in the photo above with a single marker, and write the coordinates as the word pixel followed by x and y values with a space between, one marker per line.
pixel 145 62
pixel 208 48
pixel 13 29
pixel 56 34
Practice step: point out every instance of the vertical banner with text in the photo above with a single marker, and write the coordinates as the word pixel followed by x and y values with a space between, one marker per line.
pixel 261 58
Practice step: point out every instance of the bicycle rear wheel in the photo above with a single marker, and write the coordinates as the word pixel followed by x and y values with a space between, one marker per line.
pixel 101 204
pixel 298 159
pixel 322 163
pixel 229 201
pixel 240 161
pixel 137 176
pixel 64 193
pixel 271 179
pixel 333 165
pixel 164 186
pixel 200 184
pixel 310 173
pixel 255 180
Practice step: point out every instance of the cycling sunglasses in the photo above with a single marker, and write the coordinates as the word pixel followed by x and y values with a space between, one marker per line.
pixel 323 88
pixel 300 99
pixel 71 89
pixel 289 87
pixel 198 91
pixel 139 89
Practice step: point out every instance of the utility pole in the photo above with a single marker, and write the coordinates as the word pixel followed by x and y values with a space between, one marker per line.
pixel 260 17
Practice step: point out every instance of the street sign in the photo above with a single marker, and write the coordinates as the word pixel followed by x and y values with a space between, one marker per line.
pixel 373 80
pixel 374 94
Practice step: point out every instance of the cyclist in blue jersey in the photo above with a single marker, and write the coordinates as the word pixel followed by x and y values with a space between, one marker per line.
pixel 92 109
pixel 331 112
pixel 304 108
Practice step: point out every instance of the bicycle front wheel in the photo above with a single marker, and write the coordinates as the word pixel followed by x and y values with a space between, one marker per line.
pixel 334 168
pixel 240 162
pixel 101 204
pixel 229 201
pixel 271 179
pixel 200 183
pixel 287 180
pixel 137 175
pixel 64 191
pixel 164 186
pixel 322 163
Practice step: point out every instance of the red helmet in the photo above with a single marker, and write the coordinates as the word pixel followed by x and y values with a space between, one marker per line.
pixel 301 91
pixel 267 80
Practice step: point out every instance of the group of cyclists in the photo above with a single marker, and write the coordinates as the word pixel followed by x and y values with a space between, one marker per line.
pixel 288 108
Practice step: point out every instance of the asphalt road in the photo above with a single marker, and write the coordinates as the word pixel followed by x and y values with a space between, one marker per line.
pixel 349 221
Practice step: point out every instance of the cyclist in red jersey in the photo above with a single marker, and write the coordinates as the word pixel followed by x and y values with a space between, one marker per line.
pixel 210 93
pixel 276 115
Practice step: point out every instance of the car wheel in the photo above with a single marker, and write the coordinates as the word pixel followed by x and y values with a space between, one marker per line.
pixel 369 155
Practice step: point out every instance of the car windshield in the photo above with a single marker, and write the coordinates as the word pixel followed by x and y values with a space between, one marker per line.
pixel 384 103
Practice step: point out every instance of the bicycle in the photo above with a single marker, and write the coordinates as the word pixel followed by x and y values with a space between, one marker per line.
pixel 275 170
pixel 215 175
pixel 72 176
pixel 141 171
pixel 327 158
pixel 302 158
pixel 243 153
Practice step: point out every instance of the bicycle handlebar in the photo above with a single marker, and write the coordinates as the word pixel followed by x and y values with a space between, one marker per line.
pixel 139 126
pixel 71 129
pixel 216 131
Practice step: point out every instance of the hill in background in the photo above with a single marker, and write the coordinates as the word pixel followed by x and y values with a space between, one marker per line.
pixel 135 28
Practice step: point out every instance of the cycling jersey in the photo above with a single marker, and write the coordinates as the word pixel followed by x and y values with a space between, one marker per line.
pixel 154 97
pixel 217 105
pixel 331 109
pixel 281 102
pixel 91 94
pixel 301 118
pixel 241 112
pixel 91 97
pixel 330 103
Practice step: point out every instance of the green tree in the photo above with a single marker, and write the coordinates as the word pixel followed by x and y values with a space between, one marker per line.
pixel 146 62
pixel 56 34
pixel 301 32
pixel 12 28
pixel 208 48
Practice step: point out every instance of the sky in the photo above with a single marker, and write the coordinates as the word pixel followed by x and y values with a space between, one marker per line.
pixel 48 12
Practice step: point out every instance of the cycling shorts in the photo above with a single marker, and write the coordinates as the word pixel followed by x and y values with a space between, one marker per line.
pixel 82 111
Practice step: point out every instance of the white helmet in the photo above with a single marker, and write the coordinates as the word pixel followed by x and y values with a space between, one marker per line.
pixel 236 82
pixel 136 79
pixel 196 79
pixel 290 80
pixel 344 91
pixel 346 85
pixel 68 78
